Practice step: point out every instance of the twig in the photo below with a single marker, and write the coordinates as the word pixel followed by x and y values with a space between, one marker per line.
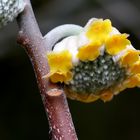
pixel 54 100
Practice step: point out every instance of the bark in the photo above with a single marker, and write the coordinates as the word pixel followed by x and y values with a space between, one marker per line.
pixel 53 96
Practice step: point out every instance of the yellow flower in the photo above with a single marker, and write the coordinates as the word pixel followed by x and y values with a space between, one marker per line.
pixel 60 65
pixel 135 69
pixel 130 57
pixel 99 30
pixel 89 52
pixel 96 64
pixel 116 43
pixel 61 77
pixel 107 95
pixel 132 81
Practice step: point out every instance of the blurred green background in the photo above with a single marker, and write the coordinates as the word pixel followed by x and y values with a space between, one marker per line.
pixel 22 116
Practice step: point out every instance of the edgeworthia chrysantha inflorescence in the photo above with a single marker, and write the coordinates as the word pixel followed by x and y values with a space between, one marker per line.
pixel 96 63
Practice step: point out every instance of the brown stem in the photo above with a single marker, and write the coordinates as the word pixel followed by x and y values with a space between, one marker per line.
pixel 54 100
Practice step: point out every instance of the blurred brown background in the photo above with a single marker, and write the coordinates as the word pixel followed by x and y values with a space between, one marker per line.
pixel 22 116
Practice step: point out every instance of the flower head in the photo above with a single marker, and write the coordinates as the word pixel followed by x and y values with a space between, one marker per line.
pixel 98 63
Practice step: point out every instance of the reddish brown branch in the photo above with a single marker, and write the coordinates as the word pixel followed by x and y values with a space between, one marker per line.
pixel 56 107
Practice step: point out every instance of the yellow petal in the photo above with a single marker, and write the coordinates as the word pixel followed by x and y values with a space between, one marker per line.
pixel 60 61
pixel 130 57
pixel 135 68
pixel 116 43
pixel 133 81
pixel 61 77
pixel 89 52
pixel 60 65
pixel 106 95
pixel 99 30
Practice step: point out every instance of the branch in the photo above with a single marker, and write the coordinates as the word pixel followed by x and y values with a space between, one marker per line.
pixel 54 100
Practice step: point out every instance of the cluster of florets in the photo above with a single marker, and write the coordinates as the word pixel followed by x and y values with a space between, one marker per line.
pixel 98 63
pixel 95 76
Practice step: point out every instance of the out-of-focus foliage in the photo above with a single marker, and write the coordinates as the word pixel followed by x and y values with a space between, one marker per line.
pixel 22 116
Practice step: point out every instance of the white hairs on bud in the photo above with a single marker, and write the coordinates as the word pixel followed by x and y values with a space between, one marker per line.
pixel 9 9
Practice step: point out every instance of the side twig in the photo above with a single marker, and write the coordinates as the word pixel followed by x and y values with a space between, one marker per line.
pixel 54 100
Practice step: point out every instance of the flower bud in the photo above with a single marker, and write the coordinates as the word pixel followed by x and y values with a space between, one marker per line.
pixel 98 63
pixel 9 9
